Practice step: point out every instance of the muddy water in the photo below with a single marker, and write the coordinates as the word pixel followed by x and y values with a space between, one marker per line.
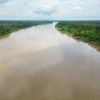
pixel 39 63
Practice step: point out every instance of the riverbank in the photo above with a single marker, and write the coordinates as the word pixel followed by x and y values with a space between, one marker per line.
pixel 7 27
pixel 88 31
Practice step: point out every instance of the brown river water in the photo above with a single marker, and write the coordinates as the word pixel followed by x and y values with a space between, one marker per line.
pixel 40 63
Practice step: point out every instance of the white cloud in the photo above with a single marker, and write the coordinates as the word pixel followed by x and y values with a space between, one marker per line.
pixel 3 1
pixel 50 9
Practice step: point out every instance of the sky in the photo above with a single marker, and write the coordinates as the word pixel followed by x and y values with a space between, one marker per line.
pixel 49 9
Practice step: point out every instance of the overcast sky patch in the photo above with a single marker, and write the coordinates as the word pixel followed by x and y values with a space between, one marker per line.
pixel 50 9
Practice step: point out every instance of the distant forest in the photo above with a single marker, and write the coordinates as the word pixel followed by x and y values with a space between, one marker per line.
pixel 88 31
pixel 6 27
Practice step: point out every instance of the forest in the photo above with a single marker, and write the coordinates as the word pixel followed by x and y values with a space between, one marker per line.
pixel 88 31
pixel 6 27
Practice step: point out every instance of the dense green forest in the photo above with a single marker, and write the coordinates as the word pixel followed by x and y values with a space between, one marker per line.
pixel 6 27
pixel 88 31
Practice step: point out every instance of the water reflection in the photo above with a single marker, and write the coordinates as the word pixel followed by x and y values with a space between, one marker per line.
pixel 39 63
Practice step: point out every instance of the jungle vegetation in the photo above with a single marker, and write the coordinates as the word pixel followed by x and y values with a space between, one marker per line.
pixel 6 27
pixel 88 31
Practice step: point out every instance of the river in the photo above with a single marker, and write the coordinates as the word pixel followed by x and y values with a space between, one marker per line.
pixel 40 63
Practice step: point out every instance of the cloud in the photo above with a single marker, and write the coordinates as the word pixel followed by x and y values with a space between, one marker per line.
pixel 50 9
pixel 3 1
pixel 45 10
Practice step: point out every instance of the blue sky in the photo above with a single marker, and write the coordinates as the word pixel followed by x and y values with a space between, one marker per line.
pixel 50 9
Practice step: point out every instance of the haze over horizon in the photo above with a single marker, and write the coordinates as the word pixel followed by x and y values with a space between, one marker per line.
pixel 49 10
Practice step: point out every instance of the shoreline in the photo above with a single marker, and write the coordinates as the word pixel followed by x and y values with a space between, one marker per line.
pixel 18 29
pixel 97 47
pixel 77 37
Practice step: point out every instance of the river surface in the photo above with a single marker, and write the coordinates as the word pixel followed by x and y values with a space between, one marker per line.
pixel 40 63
